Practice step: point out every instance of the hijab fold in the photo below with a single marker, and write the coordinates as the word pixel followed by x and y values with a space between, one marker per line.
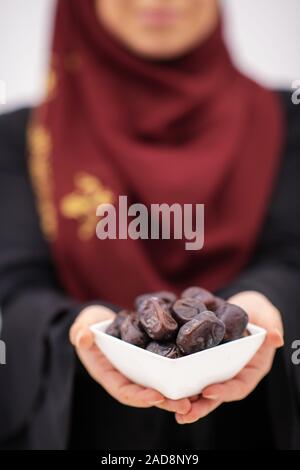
pixel 192 130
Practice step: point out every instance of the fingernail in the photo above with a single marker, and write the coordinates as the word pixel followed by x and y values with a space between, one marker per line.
pixel 280 340
pixel 211 397
pixel 183 412
pixel 79 337
pixel 194 398
pixel 180 420
pixel 157 402
pixel 280 335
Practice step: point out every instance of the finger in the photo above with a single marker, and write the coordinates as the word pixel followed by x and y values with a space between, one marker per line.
pixel 76 328
pixel 116 384
pixel 127 392
pixel 247 380
pixel 87 317
pixel 84 339
pixel 274 339
pixel 91 315
pixel 239 387
pixel 200 409
pixel 73 332
pixel 233 390
pixel 254 304
pixel 135 395
pixel 194 398
pixel 182 406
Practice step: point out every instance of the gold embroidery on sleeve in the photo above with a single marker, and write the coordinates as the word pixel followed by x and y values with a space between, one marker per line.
pixel 52 79
pixel 41 173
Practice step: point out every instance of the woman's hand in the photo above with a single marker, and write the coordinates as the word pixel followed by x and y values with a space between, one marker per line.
pixel 262 313
pixel 103 372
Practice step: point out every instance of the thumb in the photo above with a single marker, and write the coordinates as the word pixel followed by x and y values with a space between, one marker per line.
pixel 84 339
pixel 274 339
pixel 88 316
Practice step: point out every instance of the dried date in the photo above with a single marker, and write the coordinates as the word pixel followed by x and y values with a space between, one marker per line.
pixel 157 321
pixel 202 332
pixel 235 320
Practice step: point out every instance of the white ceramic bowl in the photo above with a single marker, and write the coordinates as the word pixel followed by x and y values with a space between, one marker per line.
pixel 183 377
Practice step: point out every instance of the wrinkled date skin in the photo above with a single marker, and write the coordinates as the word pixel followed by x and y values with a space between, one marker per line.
pixel 165 298
pixel 169 350
pixel 202 332
pixel 132 333
pixel 235 320
pixel 202 294
pixel 173 328
pixel 218 303
pixel 114 327
pixel 186 309
pixel 157 321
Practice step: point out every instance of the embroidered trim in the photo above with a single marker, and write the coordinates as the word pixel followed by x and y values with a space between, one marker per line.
pixel 40 168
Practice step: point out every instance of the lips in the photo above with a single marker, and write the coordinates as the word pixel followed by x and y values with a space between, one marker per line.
pixel 159 17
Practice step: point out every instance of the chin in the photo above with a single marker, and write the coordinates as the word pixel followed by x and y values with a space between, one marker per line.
pixel 159 51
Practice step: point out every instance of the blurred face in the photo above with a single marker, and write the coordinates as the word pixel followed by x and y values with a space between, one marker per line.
pixel 159 29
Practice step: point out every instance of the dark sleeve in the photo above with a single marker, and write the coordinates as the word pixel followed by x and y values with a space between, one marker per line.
pixel 275 267
pixel 36 382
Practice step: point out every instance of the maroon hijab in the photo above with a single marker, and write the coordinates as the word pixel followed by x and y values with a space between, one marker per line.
pixel 191 130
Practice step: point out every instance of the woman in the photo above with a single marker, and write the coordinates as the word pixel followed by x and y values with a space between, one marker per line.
pixel 144 101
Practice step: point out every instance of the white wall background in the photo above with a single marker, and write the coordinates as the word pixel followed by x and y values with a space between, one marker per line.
pixel 264 36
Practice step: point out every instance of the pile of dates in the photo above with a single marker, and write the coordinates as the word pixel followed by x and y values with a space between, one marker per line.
pixel 174 327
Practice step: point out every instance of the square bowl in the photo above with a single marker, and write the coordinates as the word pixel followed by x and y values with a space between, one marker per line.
pixel 182 377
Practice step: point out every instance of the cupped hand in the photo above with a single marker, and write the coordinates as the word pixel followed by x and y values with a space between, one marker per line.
pixel 103 372
pixel 261 312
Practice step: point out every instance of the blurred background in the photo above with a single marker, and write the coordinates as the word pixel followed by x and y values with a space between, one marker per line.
pixel 263 35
